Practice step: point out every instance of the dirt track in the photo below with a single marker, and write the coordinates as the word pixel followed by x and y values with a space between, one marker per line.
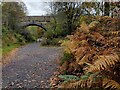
pixel 31 67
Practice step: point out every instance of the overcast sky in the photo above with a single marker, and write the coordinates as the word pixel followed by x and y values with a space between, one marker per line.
pixel 36 7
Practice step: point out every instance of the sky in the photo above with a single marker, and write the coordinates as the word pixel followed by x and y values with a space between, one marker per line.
pixel 36 7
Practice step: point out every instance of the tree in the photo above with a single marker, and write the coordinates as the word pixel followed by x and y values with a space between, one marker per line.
pixel 106 8
pixel 66 14
pixel 12 14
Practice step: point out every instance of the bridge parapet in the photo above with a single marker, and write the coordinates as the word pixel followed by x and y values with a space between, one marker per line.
pixel 40 21
pixel 37 19
pixel 25 23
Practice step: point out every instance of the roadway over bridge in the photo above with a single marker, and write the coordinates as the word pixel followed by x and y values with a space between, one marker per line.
pixel 39 21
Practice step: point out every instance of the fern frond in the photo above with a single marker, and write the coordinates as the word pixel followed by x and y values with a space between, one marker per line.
pixel 93 25
pixel 98 36
pixel 104 62
pixel 78 84
pixel 73 65
pixel 84 27
pixel 115 33
pixel 83 60
pixel 80 52
pixel 70 46
pixel 83 83
pixel 68 77
pixel 107 83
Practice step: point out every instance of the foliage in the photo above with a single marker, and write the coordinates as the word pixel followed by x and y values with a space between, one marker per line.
pixel 66 57
pixel 7 49
pixel 96 51
pixel 20 38
pixel 44 42
pixel 51 42
pixel 67 15
pixel 49 34
pixel 68 77
pixel 32 33
pixel 11 40
pixel 55 41
pixel 12 14
pixel 102 62
pixel 9 37
pixel 53 34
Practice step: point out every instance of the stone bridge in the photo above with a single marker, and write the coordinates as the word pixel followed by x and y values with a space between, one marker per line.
pixel 39 21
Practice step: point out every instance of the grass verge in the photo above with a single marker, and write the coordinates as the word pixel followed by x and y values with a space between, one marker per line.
pixel 7 49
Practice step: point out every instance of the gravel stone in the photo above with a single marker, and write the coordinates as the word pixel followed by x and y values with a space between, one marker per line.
pixel 30 67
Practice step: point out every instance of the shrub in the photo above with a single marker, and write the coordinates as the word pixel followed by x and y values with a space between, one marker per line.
pixel 44 42
pixel 51 42
pixel 10 37
pixel 66 57
pixel 20 38
pixel 96 50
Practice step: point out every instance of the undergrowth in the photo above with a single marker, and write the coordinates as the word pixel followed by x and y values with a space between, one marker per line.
pixel 96 51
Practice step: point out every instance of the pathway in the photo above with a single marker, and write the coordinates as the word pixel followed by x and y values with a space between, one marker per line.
pixel 31 67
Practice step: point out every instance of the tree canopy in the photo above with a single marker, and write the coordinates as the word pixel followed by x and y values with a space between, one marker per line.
pixel 12 14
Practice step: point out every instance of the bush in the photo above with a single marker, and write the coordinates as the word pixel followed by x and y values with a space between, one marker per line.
pixel 44 42
pixel 96 50
pixel 49 34
pixel 10 37
pixel 53 41
pixel 20 38
pixel 28 36
pixel 66 57
pixel 54 33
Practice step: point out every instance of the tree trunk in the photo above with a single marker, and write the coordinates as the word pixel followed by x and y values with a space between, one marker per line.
pixel 106 9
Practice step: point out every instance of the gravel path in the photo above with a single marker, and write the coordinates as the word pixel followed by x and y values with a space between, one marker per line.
pixel 31 67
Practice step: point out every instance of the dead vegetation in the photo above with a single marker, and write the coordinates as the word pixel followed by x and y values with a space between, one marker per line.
pixel 96 51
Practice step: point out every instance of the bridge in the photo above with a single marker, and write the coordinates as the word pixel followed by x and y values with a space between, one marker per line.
pixel 39 21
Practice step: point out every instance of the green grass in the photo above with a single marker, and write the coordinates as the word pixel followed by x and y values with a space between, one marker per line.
pixel 7 49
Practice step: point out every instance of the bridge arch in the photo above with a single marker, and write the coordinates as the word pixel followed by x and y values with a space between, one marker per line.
pixel 35 24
